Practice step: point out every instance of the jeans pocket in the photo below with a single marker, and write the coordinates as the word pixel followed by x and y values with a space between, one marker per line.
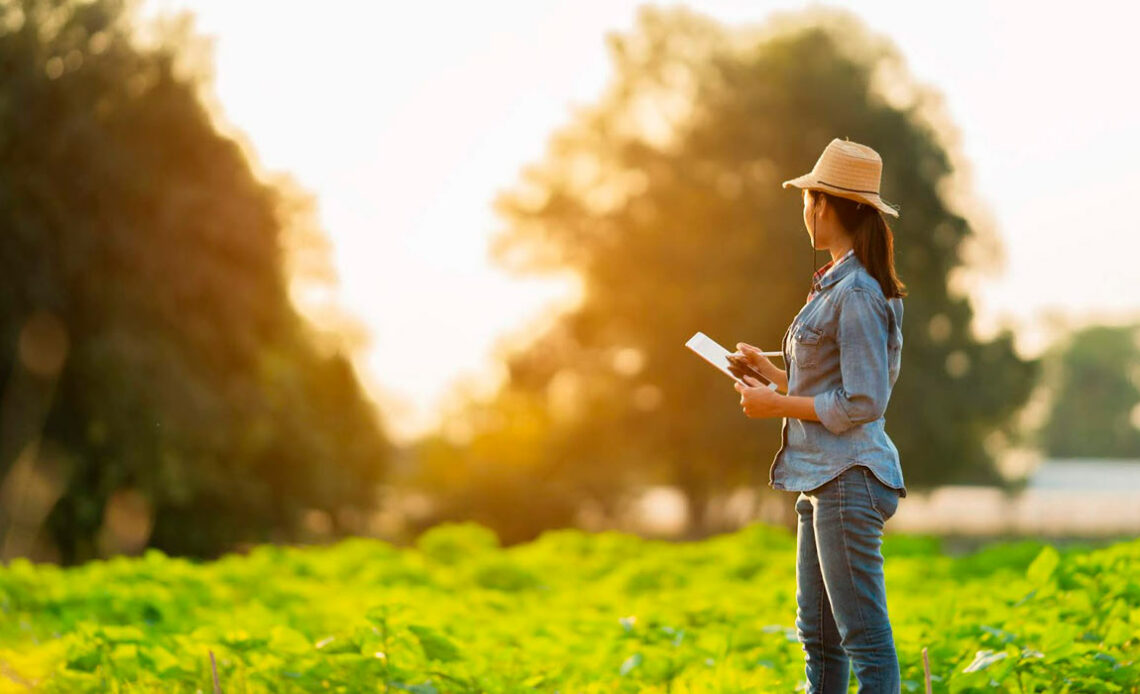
pixel 884 499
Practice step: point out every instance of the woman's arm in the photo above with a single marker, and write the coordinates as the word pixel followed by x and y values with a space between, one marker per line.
pixel 865 384
pixel 776 375
pixel 798 407
pixel 759 402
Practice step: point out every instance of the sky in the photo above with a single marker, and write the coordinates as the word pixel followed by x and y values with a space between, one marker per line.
pixel 405 119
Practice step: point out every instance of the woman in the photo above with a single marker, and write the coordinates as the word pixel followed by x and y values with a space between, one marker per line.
pixel 842 352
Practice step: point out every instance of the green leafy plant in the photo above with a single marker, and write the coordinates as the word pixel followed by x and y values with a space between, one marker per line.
pixel 570 611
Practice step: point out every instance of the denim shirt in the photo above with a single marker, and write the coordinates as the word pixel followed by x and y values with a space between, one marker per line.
pixel 843 349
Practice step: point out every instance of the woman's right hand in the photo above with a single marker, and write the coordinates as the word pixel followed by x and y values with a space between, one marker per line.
pixel 762 364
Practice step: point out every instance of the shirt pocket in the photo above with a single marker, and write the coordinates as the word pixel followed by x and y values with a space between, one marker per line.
pixel 806 346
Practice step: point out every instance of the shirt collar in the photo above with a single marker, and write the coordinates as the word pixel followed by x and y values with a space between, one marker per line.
pixel 838 270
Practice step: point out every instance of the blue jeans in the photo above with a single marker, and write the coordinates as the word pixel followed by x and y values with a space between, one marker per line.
pixel 841 599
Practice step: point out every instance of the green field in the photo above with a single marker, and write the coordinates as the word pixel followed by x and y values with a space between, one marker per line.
pixel 569 612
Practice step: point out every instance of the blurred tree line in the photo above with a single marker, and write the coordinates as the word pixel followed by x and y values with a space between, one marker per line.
pixel 664 197
pixel 1092 377
pixel 148 340
pixel 149 345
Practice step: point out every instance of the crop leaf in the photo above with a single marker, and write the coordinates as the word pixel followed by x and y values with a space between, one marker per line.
pixel 984 659
pixel 1043 566
pixel 436 646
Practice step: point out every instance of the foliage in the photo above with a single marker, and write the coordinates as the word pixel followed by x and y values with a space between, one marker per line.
pixel 146 330
pixel 664 197
pixel 1095 376
pixel 606 612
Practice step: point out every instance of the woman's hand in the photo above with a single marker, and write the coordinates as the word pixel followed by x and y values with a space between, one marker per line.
pixel 761 363
pixel 759 401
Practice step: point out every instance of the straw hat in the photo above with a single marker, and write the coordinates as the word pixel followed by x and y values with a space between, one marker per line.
pixel 849 170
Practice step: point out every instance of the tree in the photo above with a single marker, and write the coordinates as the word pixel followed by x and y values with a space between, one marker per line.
pixel 140 246
pixel 664 198
pixel 1095 378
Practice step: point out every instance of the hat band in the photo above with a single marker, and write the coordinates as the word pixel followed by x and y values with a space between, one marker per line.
pixel 853 190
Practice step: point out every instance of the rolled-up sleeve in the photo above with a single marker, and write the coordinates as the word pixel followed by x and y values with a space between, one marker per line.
pixel 865 380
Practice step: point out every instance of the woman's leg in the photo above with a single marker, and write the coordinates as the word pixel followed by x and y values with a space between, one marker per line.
pixel 848 524
pixel 827 666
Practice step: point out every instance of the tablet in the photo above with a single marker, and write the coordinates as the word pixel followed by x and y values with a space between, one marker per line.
pixel 711 351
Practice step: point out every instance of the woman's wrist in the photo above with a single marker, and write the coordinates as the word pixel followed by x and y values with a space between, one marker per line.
pixel 799 407
pixel 776 375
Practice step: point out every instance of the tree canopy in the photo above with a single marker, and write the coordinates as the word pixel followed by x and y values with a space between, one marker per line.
pixel 148 339
pixel 664 197
pixel 1094 379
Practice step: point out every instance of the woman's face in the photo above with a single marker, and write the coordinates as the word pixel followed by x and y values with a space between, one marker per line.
pixel 811 217
pixel 822 226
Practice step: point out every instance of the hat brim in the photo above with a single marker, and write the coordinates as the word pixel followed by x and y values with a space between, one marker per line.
pixel 873 199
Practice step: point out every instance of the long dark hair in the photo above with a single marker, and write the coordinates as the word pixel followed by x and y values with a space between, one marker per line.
pixel 874 243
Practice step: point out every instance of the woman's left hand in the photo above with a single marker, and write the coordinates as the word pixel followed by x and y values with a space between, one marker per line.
pixel 758 401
